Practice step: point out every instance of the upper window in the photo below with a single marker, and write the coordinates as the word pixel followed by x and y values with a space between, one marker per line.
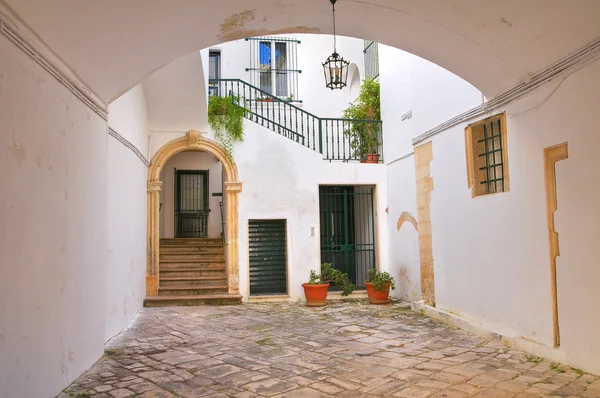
pixel 487 157
pixel 371 52
pixel 214 71
pixel 273 66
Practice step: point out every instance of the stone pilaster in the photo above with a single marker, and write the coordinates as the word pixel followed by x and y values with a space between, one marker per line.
pixel 153 238
pixel 423 157
pixel 233 267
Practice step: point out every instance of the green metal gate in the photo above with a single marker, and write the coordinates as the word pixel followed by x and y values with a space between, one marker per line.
pixel 191 203
pixel 268 257
pixel 348 230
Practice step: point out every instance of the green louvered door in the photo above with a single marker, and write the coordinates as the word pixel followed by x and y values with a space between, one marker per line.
pixel 268 257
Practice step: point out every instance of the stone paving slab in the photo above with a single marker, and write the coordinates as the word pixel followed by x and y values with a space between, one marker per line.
pixel 287 350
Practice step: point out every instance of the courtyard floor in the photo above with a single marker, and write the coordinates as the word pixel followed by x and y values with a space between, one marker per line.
pixel 347 349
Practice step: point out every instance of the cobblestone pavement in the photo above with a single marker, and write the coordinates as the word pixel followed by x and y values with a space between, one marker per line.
pixel 349 349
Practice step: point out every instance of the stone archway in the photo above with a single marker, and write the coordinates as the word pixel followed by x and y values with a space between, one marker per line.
pixel 193 141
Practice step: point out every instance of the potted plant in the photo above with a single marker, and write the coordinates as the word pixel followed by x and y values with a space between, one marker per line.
pixel 378 286
pixel 365 129
pixel 226 118
pixel 316 289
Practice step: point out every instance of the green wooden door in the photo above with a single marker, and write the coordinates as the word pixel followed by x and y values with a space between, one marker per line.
pixel 268 257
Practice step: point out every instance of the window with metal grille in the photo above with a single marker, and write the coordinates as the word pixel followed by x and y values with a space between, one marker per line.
pixel 487 160
pixel 371 52
pixel 274 66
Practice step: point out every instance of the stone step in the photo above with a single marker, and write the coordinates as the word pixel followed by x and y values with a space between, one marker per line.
pixel 206 257
pixel 191 290
pixel 192 273
pixel 181 264
pixel 215 299
pixel 192 281
pixel 191 241
pixel 192 249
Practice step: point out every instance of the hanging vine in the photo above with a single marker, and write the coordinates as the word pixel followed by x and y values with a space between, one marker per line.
pixel 226 118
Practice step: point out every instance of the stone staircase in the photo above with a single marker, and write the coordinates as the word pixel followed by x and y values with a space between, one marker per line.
pixel 192 272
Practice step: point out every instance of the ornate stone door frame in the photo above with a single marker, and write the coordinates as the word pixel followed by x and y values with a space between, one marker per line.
pixel 193 141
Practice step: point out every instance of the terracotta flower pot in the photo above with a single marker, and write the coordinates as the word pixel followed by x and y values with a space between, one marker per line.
pixel 316 295
pixel 377 297
pixel 371 158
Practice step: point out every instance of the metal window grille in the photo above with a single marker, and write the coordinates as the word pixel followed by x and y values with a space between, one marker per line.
pixel 274 66
pixel 489 149
pixel 371 52
pixel 347 229
pixel 191 203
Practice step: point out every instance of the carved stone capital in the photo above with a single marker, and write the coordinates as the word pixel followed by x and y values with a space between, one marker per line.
pixel 233 187
pixel 194 138
pixel 154 186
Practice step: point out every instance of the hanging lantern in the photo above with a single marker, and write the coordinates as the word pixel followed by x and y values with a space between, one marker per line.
pixel 335 67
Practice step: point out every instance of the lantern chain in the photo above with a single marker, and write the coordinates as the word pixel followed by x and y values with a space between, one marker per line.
pixel 334 41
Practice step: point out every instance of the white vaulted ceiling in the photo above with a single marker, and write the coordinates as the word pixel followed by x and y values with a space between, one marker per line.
pixel 113 44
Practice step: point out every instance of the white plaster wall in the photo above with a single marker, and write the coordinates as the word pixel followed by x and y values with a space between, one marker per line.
pixel 312 52
pixel 127 175
pixel 403 243
pixel 433 94
pixel 53 235
pixel 190 160
pixel 176 96
pixel 491 253
pixel 281 181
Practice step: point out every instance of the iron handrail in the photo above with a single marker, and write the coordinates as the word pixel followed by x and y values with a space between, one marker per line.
pixel 264 93
pixel 222 223
pixel 328 136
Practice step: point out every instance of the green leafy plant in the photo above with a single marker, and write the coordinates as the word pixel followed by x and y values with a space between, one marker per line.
pixel 534 358
pixel 557 367
pixel 380 279
pixel 364 135
pixel 332 276
pixel 577 370
pixel 226 118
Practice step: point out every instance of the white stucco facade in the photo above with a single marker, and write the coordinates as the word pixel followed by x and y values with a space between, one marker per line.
pixel 491 253
pixel 126 200
pixel 280 177
pixel 74 204
pixel 52 289
pixel 281 181
pixel 510 291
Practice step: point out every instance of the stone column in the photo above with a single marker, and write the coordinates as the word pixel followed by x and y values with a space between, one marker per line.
pixel 233 267
pixel 153 238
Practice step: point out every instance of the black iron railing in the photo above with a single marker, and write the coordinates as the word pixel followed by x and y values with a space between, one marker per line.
pixel 222 223
pixel 335 139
